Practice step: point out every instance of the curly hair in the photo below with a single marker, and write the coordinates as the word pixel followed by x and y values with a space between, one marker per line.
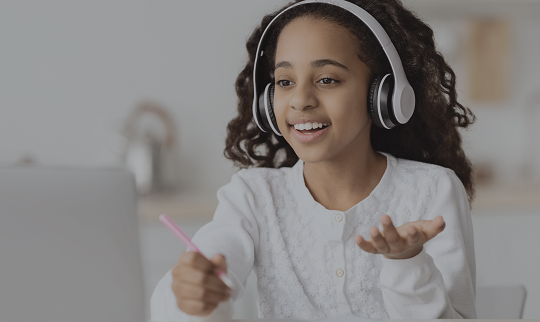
pixel 430 136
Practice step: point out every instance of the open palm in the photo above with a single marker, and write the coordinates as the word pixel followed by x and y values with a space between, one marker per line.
pixel 403 242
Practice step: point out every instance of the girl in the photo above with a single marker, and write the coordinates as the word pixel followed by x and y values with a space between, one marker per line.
pixel 328 171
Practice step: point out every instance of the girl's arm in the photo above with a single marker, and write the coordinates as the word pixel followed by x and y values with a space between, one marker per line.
pixel 439 282
pixel 233 233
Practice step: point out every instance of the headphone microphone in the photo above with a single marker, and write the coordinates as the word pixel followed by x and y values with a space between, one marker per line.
pixel 391 98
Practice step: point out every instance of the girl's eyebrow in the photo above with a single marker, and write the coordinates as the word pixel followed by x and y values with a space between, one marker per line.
pixel 315 64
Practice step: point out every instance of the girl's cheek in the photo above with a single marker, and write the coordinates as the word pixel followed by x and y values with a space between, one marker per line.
pixel 279 110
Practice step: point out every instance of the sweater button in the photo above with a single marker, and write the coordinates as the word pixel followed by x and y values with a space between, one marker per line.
pixel 339 217
pixel 340 272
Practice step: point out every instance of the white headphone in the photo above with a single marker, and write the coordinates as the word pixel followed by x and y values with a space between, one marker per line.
pixel 388 105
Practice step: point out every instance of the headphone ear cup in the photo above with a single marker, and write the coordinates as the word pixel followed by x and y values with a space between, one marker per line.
pixel 270 100
pixel 263 120
pixel 380 105
pixel 373 106
pixel 266 110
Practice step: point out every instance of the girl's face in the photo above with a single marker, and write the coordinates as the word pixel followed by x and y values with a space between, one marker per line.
pixel 320 80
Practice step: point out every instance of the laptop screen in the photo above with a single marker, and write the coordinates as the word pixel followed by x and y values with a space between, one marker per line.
pixel 69 247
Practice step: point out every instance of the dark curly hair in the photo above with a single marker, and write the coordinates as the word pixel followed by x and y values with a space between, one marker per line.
pixel 430 136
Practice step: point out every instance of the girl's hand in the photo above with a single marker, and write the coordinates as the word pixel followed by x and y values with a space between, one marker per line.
pixel 196 285
pixel 403 242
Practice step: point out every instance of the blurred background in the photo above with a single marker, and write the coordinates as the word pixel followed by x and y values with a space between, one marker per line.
pixel 150 85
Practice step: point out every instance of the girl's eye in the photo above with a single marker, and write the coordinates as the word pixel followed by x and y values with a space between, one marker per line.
pixel 328 81
pixel 280 83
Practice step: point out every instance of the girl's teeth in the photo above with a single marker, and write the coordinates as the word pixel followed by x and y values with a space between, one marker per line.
pixel 309 126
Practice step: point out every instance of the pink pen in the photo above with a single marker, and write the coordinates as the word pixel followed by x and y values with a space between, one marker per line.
pixel 187 241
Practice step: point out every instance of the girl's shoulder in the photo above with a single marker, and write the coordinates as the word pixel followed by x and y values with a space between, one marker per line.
pixel 412 167
pixel 257 178
pixel 415 173
pixel 426 188
pixel 257 187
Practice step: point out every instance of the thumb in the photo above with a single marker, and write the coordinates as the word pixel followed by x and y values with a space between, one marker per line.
pixel 435 226
pixel 219 262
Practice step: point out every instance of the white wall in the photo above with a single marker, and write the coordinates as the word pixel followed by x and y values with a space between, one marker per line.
pixel 70 72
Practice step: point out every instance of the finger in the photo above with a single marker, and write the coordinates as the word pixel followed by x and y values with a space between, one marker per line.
pixel 194 292
pixel 193 275
pixel 390 234
pixel 219 261
pixel 365 245
pixel 378 241
pixel 433 227
pixel 197 260
pixel 194 307
pixel 413 236
pixel 439 222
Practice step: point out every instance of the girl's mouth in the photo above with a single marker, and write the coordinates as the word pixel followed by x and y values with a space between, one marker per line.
pixel 311 134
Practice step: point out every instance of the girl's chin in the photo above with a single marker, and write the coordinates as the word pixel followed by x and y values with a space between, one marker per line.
pixel 311 154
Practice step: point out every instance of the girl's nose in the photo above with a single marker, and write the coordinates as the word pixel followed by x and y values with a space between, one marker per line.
pixel 303 97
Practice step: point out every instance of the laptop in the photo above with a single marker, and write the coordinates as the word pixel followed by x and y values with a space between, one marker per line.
pixel 69 247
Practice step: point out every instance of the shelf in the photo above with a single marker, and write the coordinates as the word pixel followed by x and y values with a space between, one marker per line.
pixel 498 197
pixel 186 206
pixel 202 205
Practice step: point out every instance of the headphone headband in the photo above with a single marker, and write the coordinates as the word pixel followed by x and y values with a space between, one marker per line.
pixel 403 96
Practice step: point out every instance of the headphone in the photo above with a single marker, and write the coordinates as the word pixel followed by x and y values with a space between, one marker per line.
pixel 391 98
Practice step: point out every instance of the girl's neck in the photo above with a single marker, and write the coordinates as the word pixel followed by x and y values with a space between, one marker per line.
pixel 341 183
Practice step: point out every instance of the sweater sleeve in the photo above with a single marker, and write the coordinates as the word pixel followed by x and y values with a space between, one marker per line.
pixel 234 233
pixel 439 282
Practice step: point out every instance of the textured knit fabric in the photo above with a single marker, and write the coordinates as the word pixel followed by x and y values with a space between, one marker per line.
pixel 307 263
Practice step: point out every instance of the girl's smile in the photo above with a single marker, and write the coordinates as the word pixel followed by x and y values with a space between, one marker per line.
pixel 309 130
pixel 309 134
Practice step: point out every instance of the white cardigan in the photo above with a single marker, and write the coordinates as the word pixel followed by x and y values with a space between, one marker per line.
pixel 307 263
